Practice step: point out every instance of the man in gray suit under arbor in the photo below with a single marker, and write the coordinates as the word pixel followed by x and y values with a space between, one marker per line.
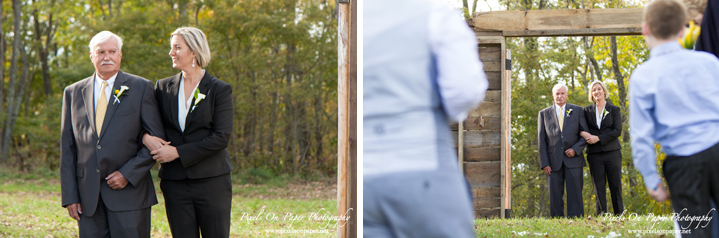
pixel 105 170
pixel 560 152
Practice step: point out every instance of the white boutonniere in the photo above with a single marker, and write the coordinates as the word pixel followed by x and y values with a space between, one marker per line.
pixel 119 93
pixel 198 97
pixel 605 114
pixel 569 112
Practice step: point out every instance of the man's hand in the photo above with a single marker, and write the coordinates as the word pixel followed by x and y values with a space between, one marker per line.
pixel 152 142
pixel 659 193
pixel 547 170
pixel 116 180
pixel 570 152
pixel 165 154
pixel 74 210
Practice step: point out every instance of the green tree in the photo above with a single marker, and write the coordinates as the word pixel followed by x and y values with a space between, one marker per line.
pixel 280 57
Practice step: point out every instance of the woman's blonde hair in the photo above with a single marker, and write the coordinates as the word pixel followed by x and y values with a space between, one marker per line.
pixel 604 87
pixel 196 40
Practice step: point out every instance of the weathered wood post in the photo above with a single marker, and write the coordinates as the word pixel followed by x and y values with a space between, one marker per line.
pixel 347 119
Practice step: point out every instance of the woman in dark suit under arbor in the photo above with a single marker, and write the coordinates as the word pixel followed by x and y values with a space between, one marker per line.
pixel 196 110
pixel 604 150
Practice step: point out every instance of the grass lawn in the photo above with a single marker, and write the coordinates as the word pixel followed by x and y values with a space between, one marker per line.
pixel 30 207
pixel 586 227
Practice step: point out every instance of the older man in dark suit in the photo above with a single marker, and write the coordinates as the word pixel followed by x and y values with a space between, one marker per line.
pixel 560 152
pixel 105 170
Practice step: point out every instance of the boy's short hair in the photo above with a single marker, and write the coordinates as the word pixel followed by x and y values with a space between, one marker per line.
pixel 665 18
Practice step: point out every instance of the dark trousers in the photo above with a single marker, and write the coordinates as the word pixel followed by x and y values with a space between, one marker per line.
pixel 574 179
pixel 106 223
pixel 607 167
pixel 197 206
pixel 693 183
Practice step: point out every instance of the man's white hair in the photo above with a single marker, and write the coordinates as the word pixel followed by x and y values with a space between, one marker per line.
pixel 103 37
pixel 559 85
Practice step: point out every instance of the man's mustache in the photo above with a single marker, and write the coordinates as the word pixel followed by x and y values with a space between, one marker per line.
pixel 107 62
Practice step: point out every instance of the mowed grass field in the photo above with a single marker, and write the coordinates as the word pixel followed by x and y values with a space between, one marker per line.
pixel 30 206
pixel 594 227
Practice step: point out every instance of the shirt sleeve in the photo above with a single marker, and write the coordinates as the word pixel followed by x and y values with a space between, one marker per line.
pixel 460 77
pixel 642 124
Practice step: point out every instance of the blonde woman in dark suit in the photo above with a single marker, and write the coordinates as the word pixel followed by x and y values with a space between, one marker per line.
pixel 604 150
pixel 196 111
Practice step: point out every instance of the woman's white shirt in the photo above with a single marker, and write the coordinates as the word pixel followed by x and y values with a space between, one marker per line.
pixel 184 106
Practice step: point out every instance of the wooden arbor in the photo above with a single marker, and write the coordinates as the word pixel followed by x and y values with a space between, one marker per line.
pixel 347 118
pixel 484 139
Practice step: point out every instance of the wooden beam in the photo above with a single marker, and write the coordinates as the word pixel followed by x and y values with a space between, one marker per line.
pixel 562 22
pixel 503 128
pixel 479 139
pixel 506 133
pixel 460 144
pixel 346 121
pixel 490 40
pixel 353 196
pixel 577 32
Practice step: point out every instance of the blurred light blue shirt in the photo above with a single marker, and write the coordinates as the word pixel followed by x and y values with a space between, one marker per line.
pixel 674 101
pixel 421 70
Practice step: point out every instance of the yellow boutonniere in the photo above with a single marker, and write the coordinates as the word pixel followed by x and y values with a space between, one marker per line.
pixel 569 112
pixel 198 97
pixel 119 93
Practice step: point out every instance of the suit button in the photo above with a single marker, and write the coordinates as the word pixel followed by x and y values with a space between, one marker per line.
pixel 379 129
pixel 97 170
pixel 99 147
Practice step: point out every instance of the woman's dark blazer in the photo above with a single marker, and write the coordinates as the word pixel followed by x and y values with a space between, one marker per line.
pixel 611 128
pixel 203 145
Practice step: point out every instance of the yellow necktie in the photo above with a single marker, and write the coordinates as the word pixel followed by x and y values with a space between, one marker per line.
pixel 561 120
pixel 101 109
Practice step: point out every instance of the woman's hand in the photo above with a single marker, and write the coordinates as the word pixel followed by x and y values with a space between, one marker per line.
pixel 593 140
pixel 585 135
pixel 153 143
pixel 165 154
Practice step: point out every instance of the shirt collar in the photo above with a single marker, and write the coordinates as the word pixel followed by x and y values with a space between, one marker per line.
pixel 557 107
pixel 110 81
pixel 665 48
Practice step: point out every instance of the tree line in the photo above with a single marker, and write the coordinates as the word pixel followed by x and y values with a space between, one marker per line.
pixel 280 56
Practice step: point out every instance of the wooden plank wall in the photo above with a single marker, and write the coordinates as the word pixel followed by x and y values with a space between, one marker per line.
pixel 482 138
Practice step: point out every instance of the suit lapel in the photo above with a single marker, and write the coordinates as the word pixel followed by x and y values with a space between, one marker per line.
pixel 88 93
pixel 203 87
pixel 111 107
pixel 566 109
pixel 592 115
pixel 174 93
pixel 606 108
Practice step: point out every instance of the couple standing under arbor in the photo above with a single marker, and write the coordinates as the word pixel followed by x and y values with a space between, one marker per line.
pixel 114 127
pixel 673 102
pixel 563 132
